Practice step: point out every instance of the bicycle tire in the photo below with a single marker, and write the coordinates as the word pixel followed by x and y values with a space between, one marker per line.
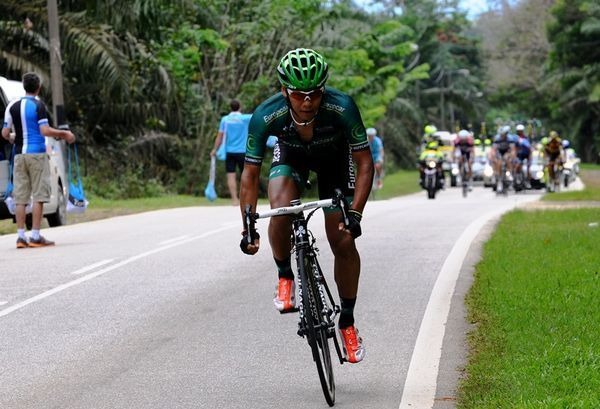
pixel 465 186
pixel 316 334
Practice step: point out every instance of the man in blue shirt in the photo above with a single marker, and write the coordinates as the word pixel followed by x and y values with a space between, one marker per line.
pixel 234 129
pixel 376 145
pixel 31 175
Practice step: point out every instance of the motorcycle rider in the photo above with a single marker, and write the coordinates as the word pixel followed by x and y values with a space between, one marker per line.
pixel 428 132
pixel 523 152
pixel 431 152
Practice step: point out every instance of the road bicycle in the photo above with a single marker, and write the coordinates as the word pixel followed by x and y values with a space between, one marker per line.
pixel 502 185
pixel 520 176
pixel 316 306
pixel 464 172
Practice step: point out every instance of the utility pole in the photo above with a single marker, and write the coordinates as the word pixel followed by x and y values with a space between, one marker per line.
pixel 58 147
pixel 442 105
pixel 56 81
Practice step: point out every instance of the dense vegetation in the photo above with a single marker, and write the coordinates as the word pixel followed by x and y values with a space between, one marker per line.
pixel 146 81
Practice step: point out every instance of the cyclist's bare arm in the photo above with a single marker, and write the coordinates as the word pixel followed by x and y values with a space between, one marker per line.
pixel 249 184
pixel 364 178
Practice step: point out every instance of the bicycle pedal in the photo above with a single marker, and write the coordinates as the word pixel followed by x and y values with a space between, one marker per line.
pixel 289 311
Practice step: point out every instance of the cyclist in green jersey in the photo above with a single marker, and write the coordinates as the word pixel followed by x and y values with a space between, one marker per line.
pixel 319 129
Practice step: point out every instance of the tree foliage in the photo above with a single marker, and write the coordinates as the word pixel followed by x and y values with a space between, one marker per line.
pixel 575 72
pixel 146 81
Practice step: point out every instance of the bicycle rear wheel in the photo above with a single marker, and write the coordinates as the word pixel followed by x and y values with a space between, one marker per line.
pixel 463 175
pixel 316 325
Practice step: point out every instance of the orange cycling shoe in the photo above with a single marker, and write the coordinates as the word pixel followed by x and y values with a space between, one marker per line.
pixel 286 295
pixel 352 344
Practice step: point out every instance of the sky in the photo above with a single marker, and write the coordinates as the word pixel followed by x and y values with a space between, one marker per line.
pixel 473 7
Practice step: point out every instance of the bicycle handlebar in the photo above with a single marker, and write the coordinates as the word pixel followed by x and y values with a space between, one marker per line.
pixel 338 200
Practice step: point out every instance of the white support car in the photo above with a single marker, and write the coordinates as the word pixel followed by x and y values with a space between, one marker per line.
pixel 55 210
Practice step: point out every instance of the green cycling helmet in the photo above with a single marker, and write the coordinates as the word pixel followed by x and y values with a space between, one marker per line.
pixel 302 69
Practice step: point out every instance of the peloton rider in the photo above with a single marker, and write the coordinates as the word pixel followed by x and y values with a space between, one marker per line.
pixel 523 152
pixel 503 148
pixel 320 129
pixel 465 145
pixel 554 152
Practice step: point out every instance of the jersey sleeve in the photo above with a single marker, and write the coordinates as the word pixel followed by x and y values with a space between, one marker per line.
pixel 42 114
pixel 222 124
pixel 357 135
pixel 258 133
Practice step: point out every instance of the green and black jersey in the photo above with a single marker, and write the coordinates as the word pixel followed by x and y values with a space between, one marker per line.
pixel 338 131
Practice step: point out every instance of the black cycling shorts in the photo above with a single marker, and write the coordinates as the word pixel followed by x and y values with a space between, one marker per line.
pixel 335 171
pixel 233 160
pixel 466 154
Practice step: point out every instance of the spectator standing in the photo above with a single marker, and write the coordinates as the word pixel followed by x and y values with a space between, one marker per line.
pixel 31 175
pixel 376 145
pixel 233 129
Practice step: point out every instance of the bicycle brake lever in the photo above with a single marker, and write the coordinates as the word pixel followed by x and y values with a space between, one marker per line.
pixel 343 205
pixel 249 222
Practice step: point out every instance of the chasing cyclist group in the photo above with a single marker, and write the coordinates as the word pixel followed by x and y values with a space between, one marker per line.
pixel 512 151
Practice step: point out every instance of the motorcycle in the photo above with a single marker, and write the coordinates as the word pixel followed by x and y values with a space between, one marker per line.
pixel 431 180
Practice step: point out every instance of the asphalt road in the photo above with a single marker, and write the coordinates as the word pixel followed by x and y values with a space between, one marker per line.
pixel 162 310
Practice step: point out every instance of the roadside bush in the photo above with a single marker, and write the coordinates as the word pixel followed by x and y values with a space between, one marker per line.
pixel 128 185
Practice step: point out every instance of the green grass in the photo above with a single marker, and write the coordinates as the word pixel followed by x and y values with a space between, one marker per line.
pixel 399 183
pixel 590 176
pixel 395 184
pixel 535 304
pixel 103 208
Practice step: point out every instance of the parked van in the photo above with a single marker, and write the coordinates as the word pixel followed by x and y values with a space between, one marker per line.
pixel 55 210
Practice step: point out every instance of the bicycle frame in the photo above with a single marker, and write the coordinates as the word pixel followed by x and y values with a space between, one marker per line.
pixel 316 306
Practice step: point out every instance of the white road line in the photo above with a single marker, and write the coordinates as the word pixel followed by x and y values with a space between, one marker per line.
pixel 91 266
pixel 3 302
pixel 105 270
pixel 421 379
pixel 175 239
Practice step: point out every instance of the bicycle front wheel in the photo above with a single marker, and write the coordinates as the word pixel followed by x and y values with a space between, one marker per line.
pixel 316 325
pixel 465 186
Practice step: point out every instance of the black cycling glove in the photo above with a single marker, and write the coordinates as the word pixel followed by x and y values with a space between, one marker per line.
pixel 245 242
pixel 354 218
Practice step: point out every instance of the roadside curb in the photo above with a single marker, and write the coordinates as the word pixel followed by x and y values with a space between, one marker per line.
pixel 455 351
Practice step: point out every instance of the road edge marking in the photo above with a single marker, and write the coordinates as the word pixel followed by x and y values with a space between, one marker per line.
pixel 420 385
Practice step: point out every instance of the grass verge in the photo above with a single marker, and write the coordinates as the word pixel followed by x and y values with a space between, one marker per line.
pixel 402 182
pixel 590 176
pixel 396 184
pixel 103 208
pixel 535 306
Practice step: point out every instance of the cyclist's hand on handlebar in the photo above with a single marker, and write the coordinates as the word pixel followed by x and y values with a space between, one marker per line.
pixel 246 246
pixel 353 227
